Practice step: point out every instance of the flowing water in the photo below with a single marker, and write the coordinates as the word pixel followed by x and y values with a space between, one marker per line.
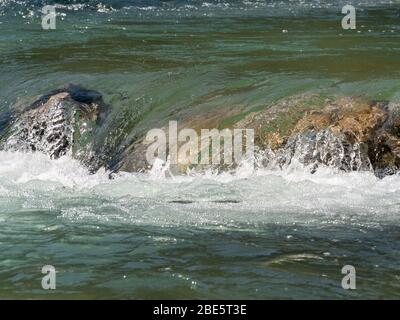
pixel 251 233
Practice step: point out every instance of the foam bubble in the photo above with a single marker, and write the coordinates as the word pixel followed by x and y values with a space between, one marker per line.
pixel 245 195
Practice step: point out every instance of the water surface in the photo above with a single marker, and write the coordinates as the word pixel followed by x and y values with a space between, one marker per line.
pixel 253 234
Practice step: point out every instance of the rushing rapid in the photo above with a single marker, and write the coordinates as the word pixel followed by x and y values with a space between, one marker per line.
pixel 251 232
pixel 199 235
pixel 246 195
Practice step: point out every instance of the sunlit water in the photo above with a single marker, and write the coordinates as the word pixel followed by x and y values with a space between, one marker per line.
pixel 247 234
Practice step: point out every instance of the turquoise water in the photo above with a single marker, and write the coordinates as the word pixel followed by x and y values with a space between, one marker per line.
pixel 252 234
pixel 257 234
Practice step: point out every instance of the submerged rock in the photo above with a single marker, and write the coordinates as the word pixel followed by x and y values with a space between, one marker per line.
pixel 59 123
pixel 349 135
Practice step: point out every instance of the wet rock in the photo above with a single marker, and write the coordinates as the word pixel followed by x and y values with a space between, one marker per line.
pixel 59 123
pixel 349 134
pixel 313 148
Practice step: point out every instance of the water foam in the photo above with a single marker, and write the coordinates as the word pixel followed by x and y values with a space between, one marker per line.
pixel 245 196
pixel 21 168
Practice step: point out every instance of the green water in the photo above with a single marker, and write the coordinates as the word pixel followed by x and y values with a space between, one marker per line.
pixel 255 235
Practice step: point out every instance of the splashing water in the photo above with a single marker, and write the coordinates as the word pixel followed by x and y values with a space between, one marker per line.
pixel 157 231
pixel 250 233
pixel 319 195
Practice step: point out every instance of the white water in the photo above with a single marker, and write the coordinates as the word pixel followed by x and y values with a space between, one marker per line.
pixel 247 196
